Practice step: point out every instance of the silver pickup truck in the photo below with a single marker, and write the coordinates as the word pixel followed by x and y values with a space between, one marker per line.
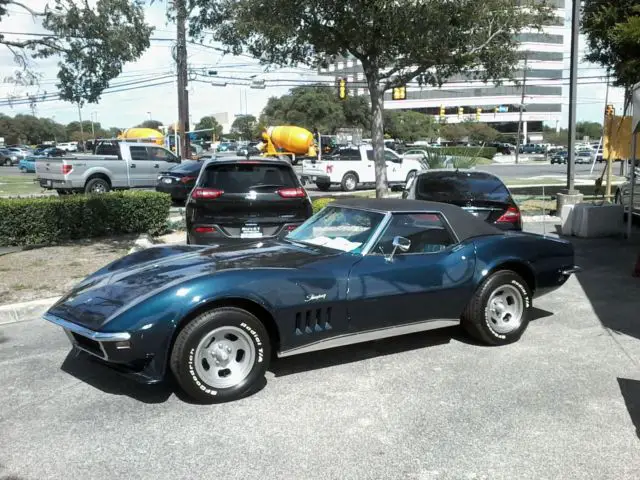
pixel 116 165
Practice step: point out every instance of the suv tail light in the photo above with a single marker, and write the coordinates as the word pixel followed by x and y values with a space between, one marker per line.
pixel 292 193
pixel 512 215
pixel 206 193
pixel 187 179
pixel 66 169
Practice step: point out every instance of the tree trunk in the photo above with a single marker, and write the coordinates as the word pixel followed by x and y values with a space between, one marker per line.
pixel 377 129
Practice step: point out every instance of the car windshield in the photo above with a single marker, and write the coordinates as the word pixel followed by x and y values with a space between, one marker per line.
pixel 338 228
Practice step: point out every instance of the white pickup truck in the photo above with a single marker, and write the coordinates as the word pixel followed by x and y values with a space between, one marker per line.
pixel 350 167
pixel 116 165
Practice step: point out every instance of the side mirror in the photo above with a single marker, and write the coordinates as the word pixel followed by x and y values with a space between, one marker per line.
pixel 399 243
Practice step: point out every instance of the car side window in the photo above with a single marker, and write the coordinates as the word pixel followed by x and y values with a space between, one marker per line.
pixel 138 153
pixel 390 157
pixel 426 231
pixel 158 154
pixel 349 154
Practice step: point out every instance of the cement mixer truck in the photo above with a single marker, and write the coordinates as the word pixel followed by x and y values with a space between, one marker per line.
pixel 288 141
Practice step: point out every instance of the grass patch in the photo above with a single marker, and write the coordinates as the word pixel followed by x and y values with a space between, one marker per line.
pixel 533 181
pixel 19 185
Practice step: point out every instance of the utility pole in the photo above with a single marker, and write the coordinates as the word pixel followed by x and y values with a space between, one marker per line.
pixel 524 86
pixel 81 129
pixel 182 72
pixel 93 131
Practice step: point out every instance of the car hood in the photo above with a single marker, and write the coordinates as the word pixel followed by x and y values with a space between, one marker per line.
pixel 143 274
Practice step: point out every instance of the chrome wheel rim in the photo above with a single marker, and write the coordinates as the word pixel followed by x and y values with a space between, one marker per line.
pixel 505 309
pixel 350 182
pixel 225 357
pixel 98 188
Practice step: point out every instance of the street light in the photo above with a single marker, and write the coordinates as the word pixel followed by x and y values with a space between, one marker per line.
pixel 93 132
pixel 148 115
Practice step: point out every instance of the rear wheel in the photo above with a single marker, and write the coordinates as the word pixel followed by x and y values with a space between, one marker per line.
pixel 323 186
pixel 221 355
pixel 498 313
pixel 410 176
pixel 349 182
pixel 97 185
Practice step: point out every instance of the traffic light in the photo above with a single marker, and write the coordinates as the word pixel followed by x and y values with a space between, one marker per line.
pixel 609 111
pixel 460 111
pixel 478 112
pixel 442 111
pixel 399 93
pixel 342 88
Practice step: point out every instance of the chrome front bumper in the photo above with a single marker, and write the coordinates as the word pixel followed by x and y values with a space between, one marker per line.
pixel 91 341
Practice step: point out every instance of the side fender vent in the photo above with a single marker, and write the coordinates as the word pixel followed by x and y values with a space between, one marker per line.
pixel 313 321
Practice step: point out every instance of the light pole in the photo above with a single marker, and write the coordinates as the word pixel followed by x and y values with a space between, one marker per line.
pixel 149 116
pixel 93 132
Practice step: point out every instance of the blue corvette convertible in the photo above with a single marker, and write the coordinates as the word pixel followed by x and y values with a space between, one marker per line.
pixel 358 270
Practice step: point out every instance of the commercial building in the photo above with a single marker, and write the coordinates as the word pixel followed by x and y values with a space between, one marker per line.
pixel 461 99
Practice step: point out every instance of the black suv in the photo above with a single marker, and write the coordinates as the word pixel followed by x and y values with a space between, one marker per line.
pixel 242 200
pixel 480 193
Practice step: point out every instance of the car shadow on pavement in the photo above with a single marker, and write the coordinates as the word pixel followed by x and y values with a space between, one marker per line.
pixel 630 390
pixel 378 348
pixel 92 372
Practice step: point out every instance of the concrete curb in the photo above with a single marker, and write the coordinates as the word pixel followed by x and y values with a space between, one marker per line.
pixel 20 312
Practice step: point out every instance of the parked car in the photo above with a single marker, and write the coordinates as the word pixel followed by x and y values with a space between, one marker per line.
pixel 236 200
pixel 179 180
pixel 503 148
pixel 584 156
pixel 351 167
pixel 559 157
pixel 27 165
pixel 480 193
pixel 116 165
pixel 8 158
pixel 623 193
pixel 358 270
pixel 68 146
pixel 248 150
pixel 416 154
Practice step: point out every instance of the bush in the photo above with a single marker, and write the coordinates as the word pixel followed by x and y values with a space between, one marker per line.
pixel 320 203
pixel 50 220
pixel 486 152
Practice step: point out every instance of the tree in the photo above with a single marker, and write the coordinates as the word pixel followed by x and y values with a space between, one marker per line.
pixel 454 132
pixel 409 125
pixel 550 135
pixel 481 132
pixel 316 107
pixel 245 125
pixel 209 122
pixel 589 129
pixel 93 42
pixel 154 124
pixel 395 42
pixel 612 30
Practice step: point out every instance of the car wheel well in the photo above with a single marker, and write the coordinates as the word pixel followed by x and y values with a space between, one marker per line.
pixel 250 306
pixel 351 172
pixel 99 175
pixel 521 269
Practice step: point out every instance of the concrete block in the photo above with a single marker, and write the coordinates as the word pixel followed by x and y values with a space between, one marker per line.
pixel 590 221
pixel 566 219
pixel 565 198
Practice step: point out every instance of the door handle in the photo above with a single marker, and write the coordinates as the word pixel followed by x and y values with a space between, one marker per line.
pixel 155 165
pixel 133 165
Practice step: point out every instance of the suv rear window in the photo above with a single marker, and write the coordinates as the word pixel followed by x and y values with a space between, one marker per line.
pixel 451 186
pixel 241 177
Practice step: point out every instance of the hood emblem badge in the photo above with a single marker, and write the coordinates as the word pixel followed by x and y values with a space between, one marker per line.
pixel 312 298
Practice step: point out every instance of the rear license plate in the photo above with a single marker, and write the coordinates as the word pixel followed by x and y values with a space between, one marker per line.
pixel 251 231
pixel 166 180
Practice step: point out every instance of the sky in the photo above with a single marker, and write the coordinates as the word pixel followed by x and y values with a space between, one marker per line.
pixel 128 108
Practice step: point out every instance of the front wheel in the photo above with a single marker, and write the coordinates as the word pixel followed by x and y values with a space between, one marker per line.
pixel 498 313
pixel 221 355
pixel 410 176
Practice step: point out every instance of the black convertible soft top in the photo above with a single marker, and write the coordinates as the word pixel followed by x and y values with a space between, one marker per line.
pixel 464 224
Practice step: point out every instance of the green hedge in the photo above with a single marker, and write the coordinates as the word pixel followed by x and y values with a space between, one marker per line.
pixel 50 220
pixel 320 203
pixel 485 152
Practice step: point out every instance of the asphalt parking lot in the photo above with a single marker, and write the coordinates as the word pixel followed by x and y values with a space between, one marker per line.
pixel 561 403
